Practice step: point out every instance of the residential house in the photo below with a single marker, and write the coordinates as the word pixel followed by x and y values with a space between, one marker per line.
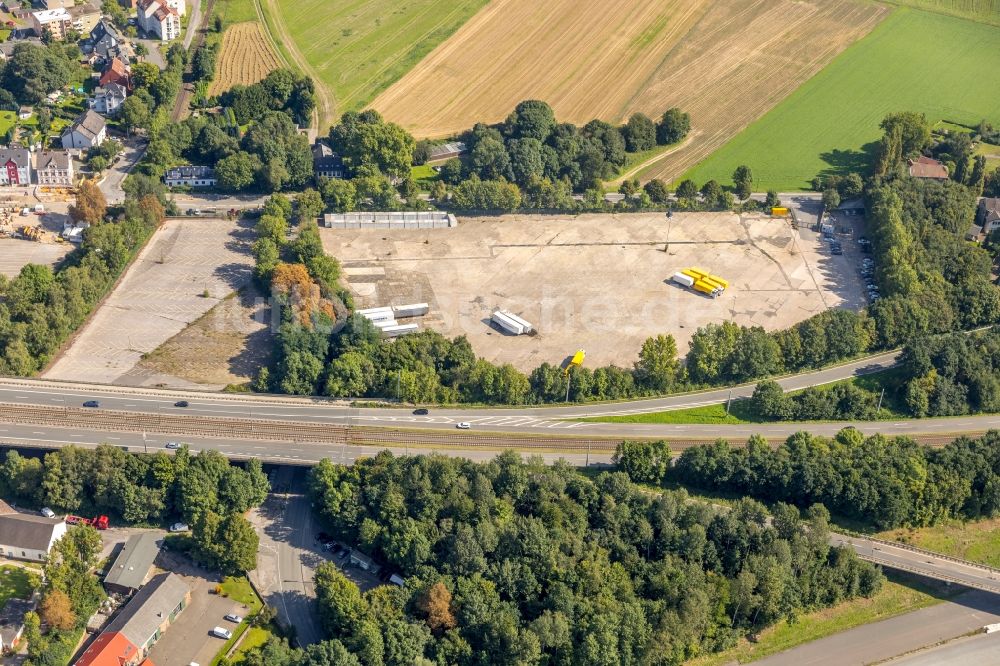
pixel 190 176
pixel 129 570
pixel 928 167
pixel 28 536
pixel 158 18
pixel 108 99
pixel 15 166
pixel 108 43
pixel 56 21
pixel 12 622
pixel 54 168
pixel 116 72
pixel 446 151
pixel 87 131
pixel 326 163
pixel 24 112
pixel 129 636
pixel 178 6
pixel 84 16
pixel 988 215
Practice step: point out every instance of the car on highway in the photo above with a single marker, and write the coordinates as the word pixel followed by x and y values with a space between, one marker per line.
pixel 179 527
pixel 173 445
pixel 464 425
pixel 221 632
pixel 233 617
pixel 92 403
pixel 420 412
pixel 181 403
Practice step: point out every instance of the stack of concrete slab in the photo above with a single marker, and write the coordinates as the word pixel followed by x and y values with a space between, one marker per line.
pixel 394 220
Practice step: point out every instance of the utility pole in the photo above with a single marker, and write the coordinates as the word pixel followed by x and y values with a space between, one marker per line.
pixel 879 408
pixel 588 455
pixel 399 379
pixel 729 401
pixel 569 380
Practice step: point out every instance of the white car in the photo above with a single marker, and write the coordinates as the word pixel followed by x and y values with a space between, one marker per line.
pixel 173 445
pixel 47 512
pixel 464 425
pixel 179 527
pixel 221 632
pixel 233 617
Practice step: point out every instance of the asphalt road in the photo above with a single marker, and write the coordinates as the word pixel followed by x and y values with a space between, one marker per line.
pixel 504 421
pixel 922 562
pixel 978 649
pixel 878 641
pixel 288 556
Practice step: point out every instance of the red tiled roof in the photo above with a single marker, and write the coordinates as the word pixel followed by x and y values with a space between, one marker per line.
pixel 926 167
pixel 109 649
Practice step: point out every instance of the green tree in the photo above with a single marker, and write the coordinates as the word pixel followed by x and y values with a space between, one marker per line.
pixel 673 126
pixel 237 172
pixel 657 191
pixel 644 462
pixel 743 180
pixel 639 133
pixel 658 369
pixel 831 199
pixel 531 119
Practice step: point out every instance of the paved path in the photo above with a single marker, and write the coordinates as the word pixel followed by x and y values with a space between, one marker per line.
pixel 288 556
pixel 883 640
pixel 980 649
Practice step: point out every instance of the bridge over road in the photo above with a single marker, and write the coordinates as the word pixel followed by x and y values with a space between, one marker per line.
pixel 900 556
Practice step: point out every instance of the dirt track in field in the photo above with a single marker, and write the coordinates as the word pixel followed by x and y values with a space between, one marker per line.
pixel 724 63
pixel 246 57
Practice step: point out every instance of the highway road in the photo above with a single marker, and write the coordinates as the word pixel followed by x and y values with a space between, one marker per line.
pixel 978 649
pixel 922 562
pixel 53 403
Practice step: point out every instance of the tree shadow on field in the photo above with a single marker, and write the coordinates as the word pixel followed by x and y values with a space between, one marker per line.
pixel 843 162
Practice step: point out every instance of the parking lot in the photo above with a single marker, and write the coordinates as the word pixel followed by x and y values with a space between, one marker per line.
pixel 596 282
pixel 188 267
pixel 16 253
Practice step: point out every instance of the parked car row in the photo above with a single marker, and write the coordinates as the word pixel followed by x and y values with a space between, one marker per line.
pixel 868 273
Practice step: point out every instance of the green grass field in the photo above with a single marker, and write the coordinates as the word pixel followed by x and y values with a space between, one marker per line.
pixel 236 11
pixel 986 11
pixel 14 582
pixel 978 541
pixel 945 67
pixel 895 598
pixel 359 48
pixel 7 120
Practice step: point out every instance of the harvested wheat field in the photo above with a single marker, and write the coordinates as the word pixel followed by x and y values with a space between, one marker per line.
pixel 246 57
pixel 724 63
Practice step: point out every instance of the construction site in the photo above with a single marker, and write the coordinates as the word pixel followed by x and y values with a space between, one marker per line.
pixel 528 289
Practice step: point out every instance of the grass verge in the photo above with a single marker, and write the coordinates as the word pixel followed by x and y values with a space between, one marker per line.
pixel 900 594
pixel 976 541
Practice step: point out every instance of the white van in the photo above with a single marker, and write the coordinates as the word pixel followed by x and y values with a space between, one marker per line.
pixel 220 632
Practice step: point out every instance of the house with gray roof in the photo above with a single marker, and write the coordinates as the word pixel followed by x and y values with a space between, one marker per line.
pixel 54 167
pixel 129 570
pixel 12 622
pixel 87 131
pixel 28 536
pixel 108 99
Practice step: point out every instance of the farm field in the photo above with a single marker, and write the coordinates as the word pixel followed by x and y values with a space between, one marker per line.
pixel 916 61
pixel 724 63
pixel 986 11
pixel 356 49
pixel 246 57
pixel 538 266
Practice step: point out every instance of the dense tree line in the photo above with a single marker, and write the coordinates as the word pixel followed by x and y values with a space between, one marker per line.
pixel 281 90
pixel 840 402
pixel 885 482
pixel 205 491
pixel 40 307
pixel 520 563
pixel 952 375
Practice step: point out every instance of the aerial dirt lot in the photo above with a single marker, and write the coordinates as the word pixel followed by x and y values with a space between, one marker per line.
pixel 594 282
pixel 15 253
pixel 184 271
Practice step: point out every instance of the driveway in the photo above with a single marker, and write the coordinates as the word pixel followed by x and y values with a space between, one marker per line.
pixel 288 556
pixel 187 639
